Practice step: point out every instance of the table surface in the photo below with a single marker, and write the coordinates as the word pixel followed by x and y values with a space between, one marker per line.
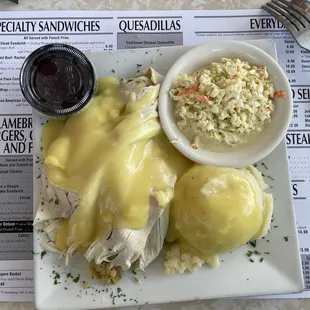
pixel 28 5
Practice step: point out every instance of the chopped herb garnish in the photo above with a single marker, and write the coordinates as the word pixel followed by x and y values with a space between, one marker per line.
pixel 264 165
pixel 66 288
pixel 134 272
pixel 276 226
pixel 136 280
pixel 249 254
pixel 76 280
pixel 43 253
pixel 286 239
pixel 267 253
pixel 139 65
pixel 256 253
pixel 56 276
pixel 113 70
pixel 261 259
pixel 251 260
pixel 119 290
pixel 253 243
pixel 69 275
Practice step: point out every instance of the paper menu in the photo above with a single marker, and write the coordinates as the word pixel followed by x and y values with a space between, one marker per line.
pixel 22 32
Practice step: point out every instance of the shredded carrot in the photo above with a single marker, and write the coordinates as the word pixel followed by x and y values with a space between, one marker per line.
pixel 189 91
pixel 238 69
pixel 279 94
pixel 203 98
pixel 260 67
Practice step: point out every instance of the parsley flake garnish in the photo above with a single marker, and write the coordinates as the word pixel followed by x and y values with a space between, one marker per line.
pixel 76 280
pixel 253 243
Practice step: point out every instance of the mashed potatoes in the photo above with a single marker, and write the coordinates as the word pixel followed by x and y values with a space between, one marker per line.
pixel 217 210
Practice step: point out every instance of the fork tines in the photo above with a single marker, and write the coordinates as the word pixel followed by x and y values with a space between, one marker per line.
pixel 290 15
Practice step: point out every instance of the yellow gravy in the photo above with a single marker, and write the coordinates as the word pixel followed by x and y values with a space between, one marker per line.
pixel 114 159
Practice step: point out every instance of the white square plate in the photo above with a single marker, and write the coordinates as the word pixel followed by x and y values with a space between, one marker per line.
pixel 279 273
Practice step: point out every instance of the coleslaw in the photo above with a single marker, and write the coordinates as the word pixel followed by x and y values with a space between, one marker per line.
pixel 225 103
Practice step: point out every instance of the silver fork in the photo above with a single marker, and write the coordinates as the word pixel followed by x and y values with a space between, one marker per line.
pixel 295 18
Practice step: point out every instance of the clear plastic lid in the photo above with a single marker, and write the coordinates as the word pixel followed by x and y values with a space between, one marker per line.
pixel 57 79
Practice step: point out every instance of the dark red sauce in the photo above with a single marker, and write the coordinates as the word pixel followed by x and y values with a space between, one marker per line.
pixel 57 79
